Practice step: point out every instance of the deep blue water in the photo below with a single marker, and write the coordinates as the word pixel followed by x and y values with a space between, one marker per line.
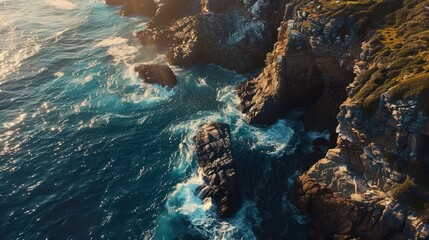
pixel 88 151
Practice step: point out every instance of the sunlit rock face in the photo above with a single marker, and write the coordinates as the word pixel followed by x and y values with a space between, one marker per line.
pixel 213 148
pixel 373 184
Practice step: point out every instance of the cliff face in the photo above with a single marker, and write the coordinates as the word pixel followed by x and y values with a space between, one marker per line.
pixel 362 70
pixel 312 62
pixel 369 60
pixel 375 183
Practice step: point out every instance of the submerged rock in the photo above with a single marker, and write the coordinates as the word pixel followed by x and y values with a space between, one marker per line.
pixel 156 73
pixel 213 146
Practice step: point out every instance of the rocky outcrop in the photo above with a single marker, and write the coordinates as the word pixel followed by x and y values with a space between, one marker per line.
pixel 374 183
pixel 234 35
pixel 312 62
pixel 290 79
pixel 344 205
pixel 135 7
pixel 156 73
pixel 213 147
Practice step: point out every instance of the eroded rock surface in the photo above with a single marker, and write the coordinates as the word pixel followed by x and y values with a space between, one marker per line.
pixel 213 147
pixel 312 62
pixel 374 183
pixel 234 35
pixel 156 73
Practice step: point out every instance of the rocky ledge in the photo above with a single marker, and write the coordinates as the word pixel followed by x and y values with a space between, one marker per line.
pixel 156 73
pixel 213 147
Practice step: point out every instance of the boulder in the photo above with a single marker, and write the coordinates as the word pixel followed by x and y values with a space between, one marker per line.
pixel 213 148
pixel 157 73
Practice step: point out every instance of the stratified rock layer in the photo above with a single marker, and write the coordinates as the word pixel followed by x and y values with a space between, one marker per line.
pixel 312 62
pixel 213 145
pixel 374 183
pixel 156 73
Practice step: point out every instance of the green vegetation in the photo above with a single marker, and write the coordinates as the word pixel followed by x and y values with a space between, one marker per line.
pixel 401 190
pixel 400 59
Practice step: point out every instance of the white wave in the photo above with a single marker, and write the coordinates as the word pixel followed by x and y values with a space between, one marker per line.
pixel 188 129
pixel 148 94
pixel 61 4
pixel 119 48
pixel 55 37
pixel 20 47
pixel 112 42
pixel 273 140
pixel 204 219
pixel 58 74
pixel 86 79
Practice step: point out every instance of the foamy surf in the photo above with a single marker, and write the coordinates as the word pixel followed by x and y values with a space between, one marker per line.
pixel 61 4
pixel 148 94
pixel 119 48
pixel 187 130
pixel 274 140
pixel 202 215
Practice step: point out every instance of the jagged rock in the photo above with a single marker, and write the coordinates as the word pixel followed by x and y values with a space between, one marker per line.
pixel 366 186
pixel 135 7
pixel 155 73
pixel 227 34
pixel 213 147
pixel 290 79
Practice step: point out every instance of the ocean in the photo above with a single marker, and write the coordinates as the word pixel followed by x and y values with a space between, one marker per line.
pixel 87 151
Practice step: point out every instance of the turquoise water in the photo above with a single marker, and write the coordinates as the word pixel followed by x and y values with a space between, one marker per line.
pixel 88 151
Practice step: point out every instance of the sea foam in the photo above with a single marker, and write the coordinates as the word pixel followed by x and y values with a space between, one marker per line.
pixel 61 4
pixel 202 215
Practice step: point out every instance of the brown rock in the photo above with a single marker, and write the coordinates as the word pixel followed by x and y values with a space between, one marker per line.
pixel 213 145
pixel 155 73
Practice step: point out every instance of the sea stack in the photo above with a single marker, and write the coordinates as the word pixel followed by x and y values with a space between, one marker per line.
pixel 213 145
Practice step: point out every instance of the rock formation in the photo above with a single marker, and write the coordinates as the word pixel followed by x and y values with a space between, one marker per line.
pixel 234 35
pixel 156 73
pixel 312 63
pixel 213 147
pixel 362 70
pixel 374 183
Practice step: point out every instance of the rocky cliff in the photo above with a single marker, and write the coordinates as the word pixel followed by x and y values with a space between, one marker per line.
pixel 375 183
pixel 369 61
pixel 361 68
